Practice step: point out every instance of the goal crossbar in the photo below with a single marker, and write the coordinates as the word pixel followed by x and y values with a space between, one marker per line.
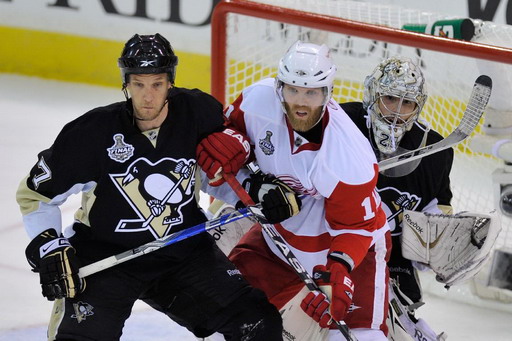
pixel 333 24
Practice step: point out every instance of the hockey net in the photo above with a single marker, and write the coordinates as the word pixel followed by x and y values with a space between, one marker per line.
pixel 249 38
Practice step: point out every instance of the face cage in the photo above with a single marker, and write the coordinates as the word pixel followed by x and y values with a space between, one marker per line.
pixel 395 118
pixel 389 130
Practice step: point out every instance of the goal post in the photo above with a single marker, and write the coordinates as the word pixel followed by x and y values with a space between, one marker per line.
pixel 249 38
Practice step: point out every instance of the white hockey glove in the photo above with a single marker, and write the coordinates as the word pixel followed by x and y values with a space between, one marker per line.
pixel 455 247
pixel 55 260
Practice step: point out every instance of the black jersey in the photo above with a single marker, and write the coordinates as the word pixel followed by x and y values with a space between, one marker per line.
pixel 421 190
pixel 134 191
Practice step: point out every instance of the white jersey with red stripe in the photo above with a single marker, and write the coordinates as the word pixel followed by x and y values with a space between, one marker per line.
pixel 341 210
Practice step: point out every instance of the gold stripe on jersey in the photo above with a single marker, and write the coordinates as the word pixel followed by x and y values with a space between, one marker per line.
pixel 28 199
pixel 446 209
pixel 82 214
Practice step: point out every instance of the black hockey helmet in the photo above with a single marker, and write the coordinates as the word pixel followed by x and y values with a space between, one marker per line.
pixel 147 54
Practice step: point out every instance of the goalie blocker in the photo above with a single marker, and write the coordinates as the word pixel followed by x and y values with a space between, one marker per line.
pixel 455 247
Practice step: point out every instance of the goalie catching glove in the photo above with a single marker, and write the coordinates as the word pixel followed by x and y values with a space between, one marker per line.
pixel 55 260
pixel 337 285
pixel 455 247
pixel 225 151
pixel 278 200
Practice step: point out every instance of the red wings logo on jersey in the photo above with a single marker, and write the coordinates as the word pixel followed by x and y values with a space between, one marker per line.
pixel 156 192
pixel 297 186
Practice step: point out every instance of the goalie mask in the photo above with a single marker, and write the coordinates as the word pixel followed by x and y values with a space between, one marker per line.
pixel 147 54
pixel 306 65
pixel 394 96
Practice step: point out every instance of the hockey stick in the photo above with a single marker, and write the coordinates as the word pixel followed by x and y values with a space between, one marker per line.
pixel 280 243
pixel 165 241
pixel 474 111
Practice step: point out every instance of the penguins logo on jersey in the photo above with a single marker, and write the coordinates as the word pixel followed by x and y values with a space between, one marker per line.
pixel 401 201
pixel 156 192
pixel 120 151
pixel 266 145
pixel 82 310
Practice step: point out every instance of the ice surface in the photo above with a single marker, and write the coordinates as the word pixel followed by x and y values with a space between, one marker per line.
pixel 32 112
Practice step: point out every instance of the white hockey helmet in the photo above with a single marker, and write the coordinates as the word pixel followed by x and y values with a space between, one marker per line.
pixel 397 77
pixel 306 65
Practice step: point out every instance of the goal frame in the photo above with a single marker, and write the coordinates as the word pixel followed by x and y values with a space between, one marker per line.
pixel 477 289
pixel 333 24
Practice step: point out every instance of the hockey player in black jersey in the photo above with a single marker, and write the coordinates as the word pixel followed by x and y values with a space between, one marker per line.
pixel 394 96
pixel 134 163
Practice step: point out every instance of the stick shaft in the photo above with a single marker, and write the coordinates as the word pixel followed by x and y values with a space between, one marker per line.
pixel 163 242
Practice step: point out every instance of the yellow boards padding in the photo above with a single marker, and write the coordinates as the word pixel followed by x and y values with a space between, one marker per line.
pixel 82 59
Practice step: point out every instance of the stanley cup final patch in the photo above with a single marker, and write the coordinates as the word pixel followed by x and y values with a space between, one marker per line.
pixel 266 145
pixel 120 151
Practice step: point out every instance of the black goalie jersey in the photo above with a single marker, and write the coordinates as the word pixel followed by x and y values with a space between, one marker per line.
pixel 425 189
pixel 136 186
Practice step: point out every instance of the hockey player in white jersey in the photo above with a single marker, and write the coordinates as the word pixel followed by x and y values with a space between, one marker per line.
pixel 303 140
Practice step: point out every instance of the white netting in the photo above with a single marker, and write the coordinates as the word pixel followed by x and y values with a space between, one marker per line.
pixel 254 47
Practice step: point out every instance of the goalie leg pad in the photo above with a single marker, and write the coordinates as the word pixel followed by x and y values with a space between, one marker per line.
pixel 227 236
pixel 404 272
pixel 402 324
pixel 296 324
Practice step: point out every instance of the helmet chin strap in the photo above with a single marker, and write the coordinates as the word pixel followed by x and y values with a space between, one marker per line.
pixel 322 114
pixel 125 92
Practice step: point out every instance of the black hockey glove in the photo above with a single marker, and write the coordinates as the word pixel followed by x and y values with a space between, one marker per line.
pixel 55 260
pixel 278 201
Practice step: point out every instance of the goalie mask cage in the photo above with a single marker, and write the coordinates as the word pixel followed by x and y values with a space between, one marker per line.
pixel 249 38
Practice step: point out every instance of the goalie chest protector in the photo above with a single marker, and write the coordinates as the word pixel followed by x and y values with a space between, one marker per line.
pixel 421 190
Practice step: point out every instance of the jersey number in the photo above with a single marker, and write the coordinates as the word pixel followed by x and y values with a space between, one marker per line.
pixel 44 176
pixel 367 205
pixel 384 140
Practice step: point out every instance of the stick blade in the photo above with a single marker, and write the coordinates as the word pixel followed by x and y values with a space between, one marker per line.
pixel 484 80
pixel 476 105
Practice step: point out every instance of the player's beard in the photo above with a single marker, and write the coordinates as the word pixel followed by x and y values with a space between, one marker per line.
pixel 306 122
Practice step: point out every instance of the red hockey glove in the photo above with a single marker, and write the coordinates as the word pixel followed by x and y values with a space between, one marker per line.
pixel 338 287
pixel 225 151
